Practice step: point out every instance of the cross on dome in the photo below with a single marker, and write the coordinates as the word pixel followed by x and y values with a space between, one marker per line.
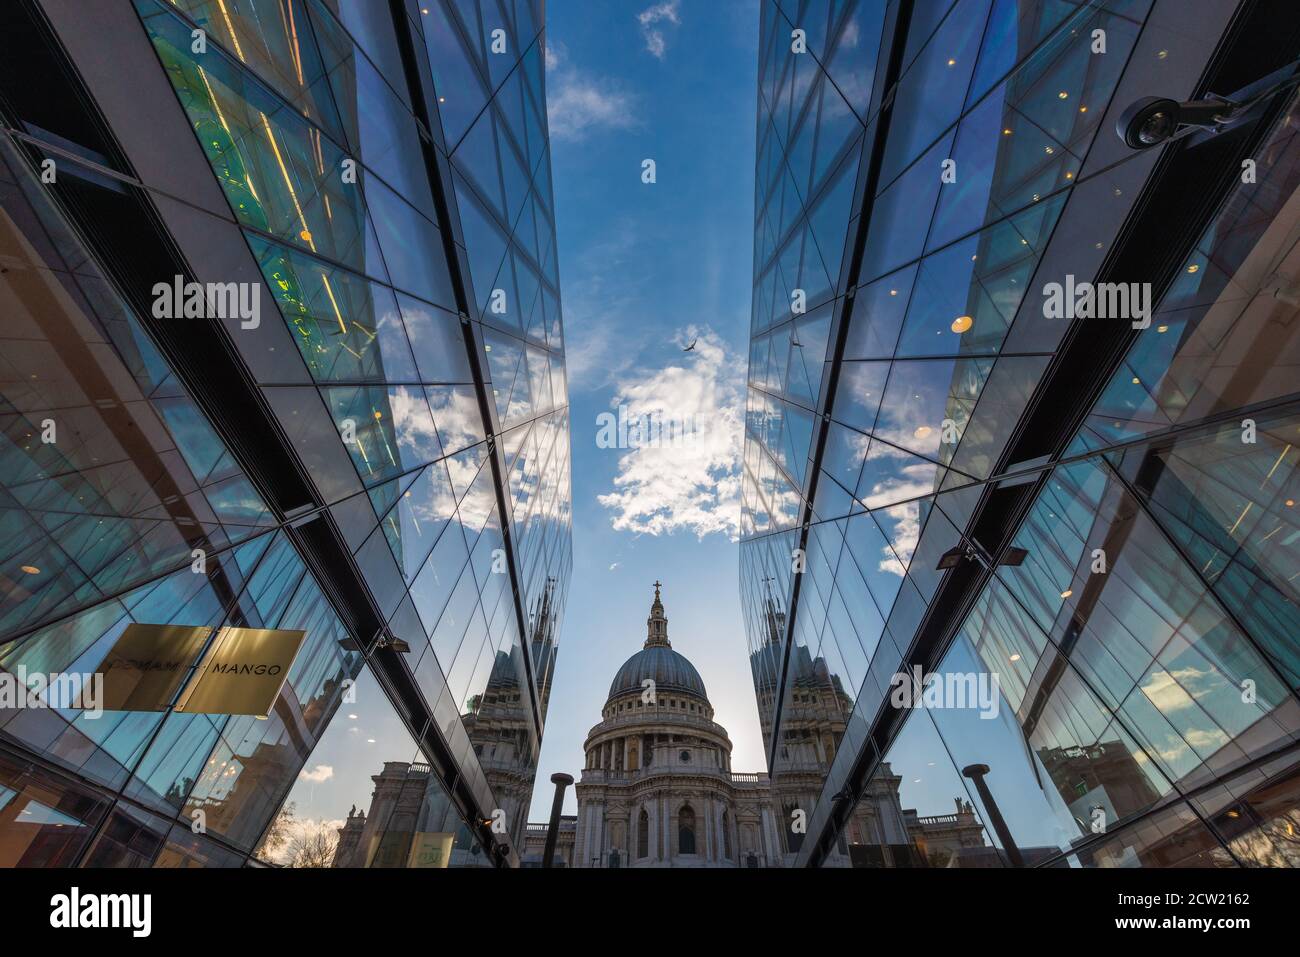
pixel 657 623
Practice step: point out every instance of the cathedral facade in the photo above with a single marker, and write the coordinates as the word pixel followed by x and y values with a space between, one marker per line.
pixel 657 788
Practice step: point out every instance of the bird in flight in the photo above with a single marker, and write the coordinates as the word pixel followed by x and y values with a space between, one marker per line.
pixel 691 346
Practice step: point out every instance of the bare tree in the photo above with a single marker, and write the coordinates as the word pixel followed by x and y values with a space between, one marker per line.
pixel 314 846
pixel 278 834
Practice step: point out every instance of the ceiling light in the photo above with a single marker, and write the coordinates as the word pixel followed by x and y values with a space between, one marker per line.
pixel 31 569
pixel 1063 95
pixel 952 62
pixel 922 431
pixel 962 323
pixel 1015 657
pixel 1193 268
pixel 1067 593
pixel 1162 328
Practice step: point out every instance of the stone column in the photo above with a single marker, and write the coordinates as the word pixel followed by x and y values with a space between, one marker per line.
pixel 624 739
pixel 768 834
pixel 706 812
pixel 668 829
pixel 579 835
pixel 652 838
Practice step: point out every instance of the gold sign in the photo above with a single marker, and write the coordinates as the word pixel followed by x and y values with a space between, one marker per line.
pixel 146 666
pixel 242 672
pixel 430 849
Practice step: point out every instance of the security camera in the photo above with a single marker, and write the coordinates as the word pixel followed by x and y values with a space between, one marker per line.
pixel 1153 120
pixel 398 645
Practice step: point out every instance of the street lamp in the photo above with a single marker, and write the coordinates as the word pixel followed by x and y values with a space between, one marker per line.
pixel 561 781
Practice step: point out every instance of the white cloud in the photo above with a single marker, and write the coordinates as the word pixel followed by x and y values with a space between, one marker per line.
pixel 665 12
pixel 556 53
pixel 578 103
pixel 692 484
pixel 318 774
pixel 615 565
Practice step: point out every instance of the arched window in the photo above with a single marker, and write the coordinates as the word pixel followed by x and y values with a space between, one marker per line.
pixel 726 836
pixel 686 831
pixel 643 835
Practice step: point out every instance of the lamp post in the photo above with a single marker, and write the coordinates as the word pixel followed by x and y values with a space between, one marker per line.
pixel 561 781
pixel 976 773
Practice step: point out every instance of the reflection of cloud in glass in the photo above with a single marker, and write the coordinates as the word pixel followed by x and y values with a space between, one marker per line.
pixel 416 437
pixel 455 409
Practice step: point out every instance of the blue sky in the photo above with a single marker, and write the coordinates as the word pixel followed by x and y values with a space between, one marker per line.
pixel 645 268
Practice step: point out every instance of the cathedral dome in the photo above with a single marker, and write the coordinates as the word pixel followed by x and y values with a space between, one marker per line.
pixel 669 671
pixel 657 661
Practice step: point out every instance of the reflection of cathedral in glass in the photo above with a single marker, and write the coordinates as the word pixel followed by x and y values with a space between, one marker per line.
pixel 376 459
pixel 402 825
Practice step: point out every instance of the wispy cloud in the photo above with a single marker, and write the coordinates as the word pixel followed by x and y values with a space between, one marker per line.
pixel 606 277
pixel 578 103
pixel 692 484
pixel 666 12
pixel 556 54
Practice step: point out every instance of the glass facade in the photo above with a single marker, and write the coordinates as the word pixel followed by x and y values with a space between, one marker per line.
pixel 922 489
pixel 380 461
